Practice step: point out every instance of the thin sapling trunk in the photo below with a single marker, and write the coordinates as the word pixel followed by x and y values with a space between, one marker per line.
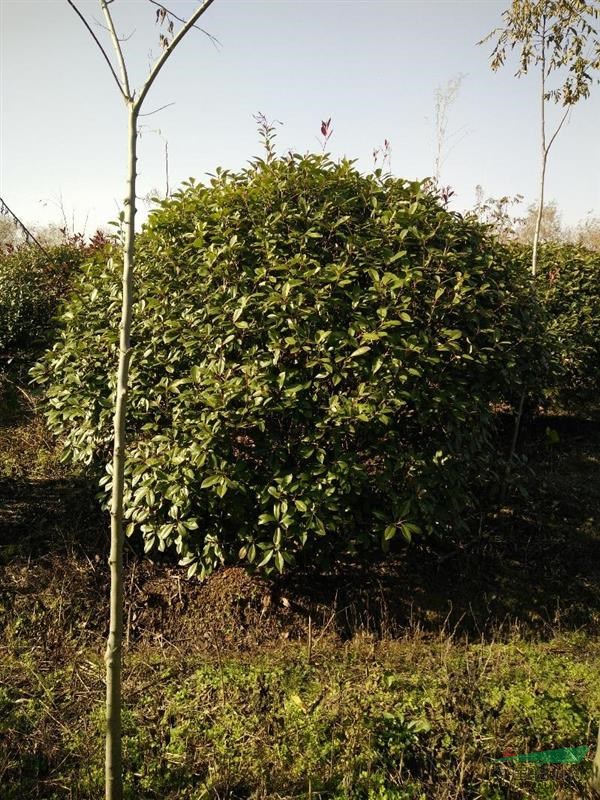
pixel 538 221
pixel 113 654
pixel 113 765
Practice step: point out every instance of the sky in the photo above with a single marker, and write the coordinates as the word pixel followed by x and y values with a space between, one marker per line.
pixel 373 66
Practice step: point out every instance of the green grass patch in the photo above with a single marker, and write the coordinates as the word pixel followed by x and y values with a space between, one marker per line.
pixel 364 720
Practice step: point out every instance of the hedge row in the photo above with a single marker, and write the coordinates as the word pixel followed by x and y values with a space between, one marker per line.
pixel 32 282
pixel 568 289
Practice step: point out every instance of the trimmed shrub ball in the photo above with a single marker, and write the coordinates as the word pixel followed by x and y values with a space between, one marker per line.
pixel 316 357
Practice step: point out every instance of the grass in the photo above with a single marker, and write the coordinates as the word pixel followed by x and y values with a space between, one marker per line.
pixel 367 719
pixel 416 674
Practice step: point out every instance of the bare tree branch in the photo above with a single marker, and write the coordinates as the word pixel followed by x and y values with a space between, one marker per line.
pixel 156 110
pixel 120 38
pixel 557 131
pixel 161 61
pixel 213 39
pixel 117 46
pixel 102 50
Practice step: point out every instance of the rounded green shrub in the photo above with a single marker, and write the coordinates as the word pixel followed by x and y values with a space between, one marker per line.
pixel 317 354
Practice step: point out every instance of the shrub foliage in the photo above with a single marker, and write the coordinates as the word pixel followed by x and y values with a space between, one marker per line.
pixel 31 284
pixel 569 288
pixel 317 354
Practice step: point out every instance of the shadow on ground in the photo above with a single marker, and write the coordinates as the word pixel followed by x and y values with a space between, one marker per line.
pixel 535 566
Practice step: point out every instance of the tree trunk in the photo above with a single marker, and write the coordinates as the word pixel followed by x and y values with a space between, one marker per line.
pixel 595 781
pixel 544 149
pixel 114 781
pixel 538 222
pixel 513 447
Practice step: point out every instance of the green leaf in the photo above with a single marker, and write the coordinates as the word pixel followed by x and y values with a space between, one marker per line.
pixel 267 556
pixel 389 532
pixel 296 700
pixel 210 481
pixel 193 569
pixel 398 255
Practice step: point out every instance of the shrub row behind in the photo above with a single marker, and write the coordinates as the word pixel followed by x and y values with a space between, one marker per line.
pixel 32 282
pixel 568 290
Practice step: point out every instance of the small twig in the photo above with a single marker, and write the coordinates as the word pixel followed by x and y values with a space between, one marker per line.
pixel 156 110
pixel 460 551
pixel 557 131
pixel 213 39
pixel 25 394
pixel 327 624
pixel 119 38
pixel 309 645
pixel 161 61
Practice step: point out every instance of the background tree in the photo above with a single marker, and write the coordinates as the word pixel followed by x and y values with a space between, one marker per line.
pixel 445 140
pixel 559 38
pixel 10 235
pixel 547 227
pixel 498 212
pixel 133 102
pixel 556 36
pixel 587 233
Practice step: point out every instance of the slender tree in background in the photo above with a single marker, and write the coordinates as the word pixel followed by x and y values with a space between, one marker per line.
pixel 445 141
pixel 169 39
pixel 498 212
pixel 548 225
pixel 559 38
pixel 587 233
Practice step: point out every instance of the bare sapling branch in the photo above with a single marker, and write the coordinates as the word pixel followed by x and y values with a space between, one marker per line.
pixel 99 44
pixel 117 47
pixel 156 110
pixel 558 128
pixel 167 52
pixel 168 11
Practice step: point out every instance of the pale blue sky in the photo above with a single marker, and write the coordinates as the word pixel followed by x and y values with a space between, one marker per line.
pixel 371 65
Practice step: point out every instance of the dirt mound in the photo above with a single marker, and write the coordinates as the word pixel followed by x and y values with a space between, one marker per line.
pixel 60 601
pixel 231 609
